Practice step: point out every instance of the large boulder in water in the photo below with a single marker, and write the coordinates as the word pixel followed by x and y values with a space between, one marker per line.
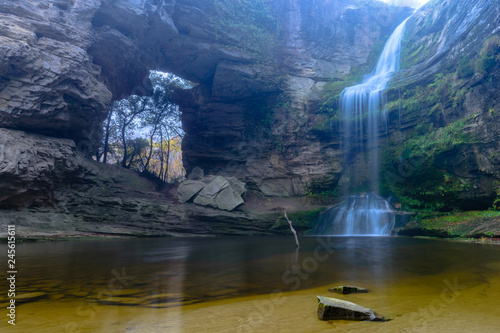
pixel 337 309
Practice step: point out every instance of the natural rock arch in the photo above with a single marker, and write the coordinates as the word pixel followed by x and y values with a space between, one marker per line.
pixel 67 60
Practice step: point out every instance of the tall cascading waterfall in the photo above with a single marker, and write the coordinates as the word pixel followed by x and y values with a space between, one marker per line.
pixel 364 113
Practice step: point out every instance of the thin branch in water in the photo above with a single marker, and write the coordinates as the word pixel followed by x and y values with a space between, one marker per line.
pixel 292 229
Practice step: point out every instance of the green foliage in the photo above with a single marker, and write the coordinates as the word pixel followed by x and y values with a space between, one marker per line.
pixel 429 184
pixel 434 142
pixel 322 197
pixel 496 203
pixel 459 224
pixel 425 186
pixel 489 56
pixel 439 192
pixel 250 25
pixel 465 68
pixel 431 99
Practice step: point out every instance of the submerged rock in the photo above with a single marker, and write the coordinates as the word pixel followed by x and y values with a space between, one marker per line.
pixel 348 290
pixel 337 309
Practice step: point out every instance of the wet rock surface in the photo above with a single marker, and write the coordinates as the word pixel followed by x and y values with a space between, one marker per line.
pixel 348 290
pixel 336 309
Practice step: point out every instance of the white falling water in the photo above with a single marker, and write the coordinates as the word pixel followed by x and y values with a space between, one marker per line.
pixel 363 109
pixel 364 214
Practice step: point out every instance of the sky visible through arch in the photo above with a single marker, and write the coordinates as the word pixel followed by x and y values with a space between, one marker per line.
pixel 409 3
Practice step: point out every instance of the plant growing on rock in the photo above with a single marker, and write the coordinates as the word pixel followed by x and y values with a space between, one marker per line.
pixel 489 56
pixel 255 19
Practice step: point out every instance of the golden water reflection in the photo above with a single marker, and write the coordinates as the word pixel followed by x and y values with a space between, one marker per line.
pixel 251 284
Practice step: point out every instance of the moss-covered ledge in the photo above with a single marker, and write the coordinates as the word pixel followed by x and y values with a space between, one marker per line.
pixel 469 224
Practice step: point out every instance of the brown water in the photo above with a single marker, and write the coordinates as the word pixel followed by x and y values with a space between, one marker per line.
pixel 254 284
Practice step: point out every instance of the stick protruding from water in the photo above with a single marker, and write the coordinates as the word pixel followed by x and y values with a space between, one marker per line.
pixel 293 230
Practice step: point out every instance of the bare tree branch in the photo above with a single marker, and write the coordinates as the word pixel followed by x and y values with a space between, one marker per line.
pixel 293 230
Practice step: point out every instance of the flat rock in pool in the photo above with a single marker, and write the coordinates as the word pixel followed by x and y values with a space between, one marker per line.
pixel 348 290
pixel 336 309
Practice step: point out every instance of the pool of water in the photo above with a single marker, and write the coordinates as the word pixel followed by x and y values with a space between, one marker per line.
pixel 176 272
pixel 202 269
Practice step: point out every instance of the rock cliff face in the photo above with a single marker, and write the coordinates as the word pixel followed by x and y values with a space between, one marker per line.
pixel 49 189
pixel 261 129
pixel 444 111
pixel 264 104
pixel 48 82
pixel 63 62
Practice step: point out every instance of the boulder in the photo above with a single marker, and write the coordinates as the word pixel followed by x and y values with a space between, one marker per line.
pixel 220 192
pixel 207 196
pixel 337 309
pixel 348 290
pixel 188 189
pixel 237 185
pixel 196 174
pixel 228 199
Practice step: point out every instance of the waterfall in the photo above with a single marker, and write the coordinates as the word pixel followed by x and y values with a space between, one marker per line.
pixel 365 117
pixel 364 214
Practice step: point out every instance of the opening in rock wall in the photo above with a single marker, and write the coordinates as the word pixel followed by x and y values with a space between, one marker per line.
pixel 144 132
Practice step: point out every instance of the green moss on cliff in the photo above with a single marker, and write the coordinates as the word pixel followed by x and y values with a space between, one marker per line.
pixel 489 56
pixel 457 224
pixel 417 168
pixel 412 174
pixel 256 20
pixel 445 93
pixel 426 142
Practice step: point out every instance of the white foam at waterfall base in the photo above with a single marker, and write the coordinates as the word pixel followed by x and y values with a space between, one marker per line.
pixel 363 109
pixel 364 214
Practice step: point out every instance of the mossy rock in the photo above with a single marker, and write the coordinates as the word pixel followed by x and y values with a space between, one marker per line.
pixel 348 290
